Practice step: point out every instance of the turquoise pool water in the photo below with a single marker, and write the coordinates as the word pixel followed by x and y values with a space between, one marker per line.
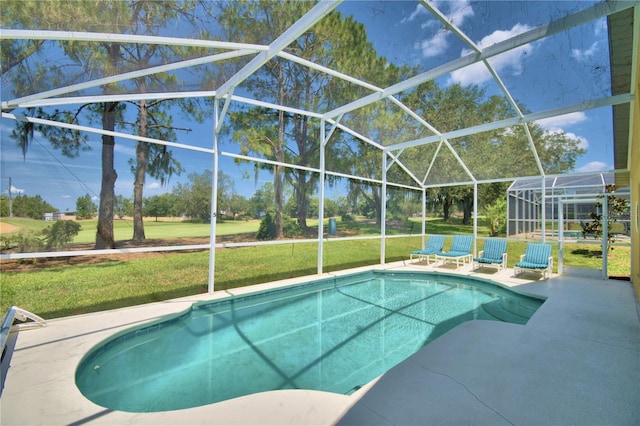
pixel 333 335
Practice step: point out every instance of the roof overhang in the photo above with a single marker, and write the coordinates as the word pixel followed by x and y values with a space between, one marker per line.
pixel 623 48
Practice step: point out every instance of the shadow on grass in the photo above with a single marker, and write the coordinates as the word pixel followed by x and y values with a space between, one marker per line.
pixel 587 253
pixel 125 302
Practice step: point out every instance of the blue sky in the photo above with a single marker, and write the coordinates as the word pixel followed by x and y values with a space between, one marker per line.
pixel 559 71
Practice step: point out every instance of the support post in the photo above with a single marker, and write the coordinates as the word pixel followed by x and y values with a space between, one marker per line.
pixel 383 208
pixel 214 201
pixel 321 196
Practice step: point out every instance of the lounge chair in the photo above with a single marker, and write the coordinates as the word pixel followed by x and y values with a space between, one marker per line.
pixel 494 253
pixel 536 257
pixel 460 251
pixel 433 247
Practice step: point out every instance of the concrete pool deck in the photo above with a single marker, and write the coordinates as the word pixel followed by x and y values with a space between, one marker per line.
pixel 577 361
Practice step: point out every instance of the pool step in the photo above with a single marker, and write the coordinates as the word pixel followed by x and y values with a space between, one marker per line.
pixel 507 312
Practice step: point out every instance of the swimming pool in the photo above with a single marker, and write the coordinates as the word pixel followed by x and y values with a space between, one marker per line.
pixel 333 335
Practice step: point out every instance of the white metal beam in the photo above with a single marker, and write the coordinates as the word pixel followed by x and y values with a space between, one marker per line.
pixel 33 34
pixel 600 10
pixel 71 100
pixel 582 106
pixel 105 132
pixel 127 76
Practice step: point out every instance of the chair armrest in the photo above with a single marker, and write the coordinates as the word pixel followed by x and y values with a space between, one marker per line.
pixel 521 257
pixel 481 253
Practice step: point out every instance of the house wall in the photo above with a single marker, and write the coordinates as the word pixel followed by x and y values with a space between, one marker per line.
pixel 635 184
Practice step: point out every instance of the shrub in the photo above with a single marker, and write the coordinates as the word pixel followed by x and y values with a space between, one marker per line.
pixel 290 228
pixel 267 229
pixel 347 218
pixel 21 242
pixel 60 233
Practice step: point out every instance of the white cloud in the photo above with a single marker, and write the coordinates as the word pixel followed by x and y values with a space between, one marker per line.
pixel 584 142
pixel 508 62
pixel 594 166
pixel 583 55
pixel 154 185
pixel 561 121
pixel 419 10
pixel 95 199
pixel 455 11
pixel 557 125
pixel 435 45
pixel 15 190
pixel 458 11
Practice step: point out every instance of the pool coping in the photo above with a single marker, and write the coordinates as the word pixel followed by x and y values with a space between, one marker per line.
pixel 40 388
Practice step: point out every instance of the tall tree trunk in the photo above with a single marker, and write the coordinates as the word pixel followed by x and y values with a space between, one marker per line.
pixel 377 197
pixel 104 235
pixel 142 160
pixel 467 207
pixel 446 209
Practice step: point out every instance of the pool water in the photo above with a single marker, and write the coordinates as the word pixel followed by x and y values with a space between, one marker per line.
pixel 332 335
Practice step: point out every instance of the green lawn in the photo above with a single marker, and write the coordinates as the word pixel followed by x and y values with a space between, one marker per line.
pixel 67 290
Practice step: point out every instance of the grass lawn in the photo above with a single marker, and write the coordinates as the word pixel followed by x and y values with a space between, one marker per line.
pixel 64 290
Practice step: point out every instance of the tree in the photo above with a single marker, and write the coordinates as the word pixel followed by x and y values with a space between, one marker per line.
pixel 104 234
pixel 496 214
pixel 195 196
pixel 104 57
pixel 32 207
pixel 267 229
pixel 101 59
pixel 261 202
pixel 123 207
pixel 4 206
pixel 85 207
pixel 161 205
pixel 336 41
pixel 616 207
pixel 238 206
pixel 154 119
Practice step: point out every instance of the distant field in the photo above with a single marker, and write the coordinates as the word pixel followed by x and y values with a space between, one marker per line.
pixel 123 229
pixel 170 228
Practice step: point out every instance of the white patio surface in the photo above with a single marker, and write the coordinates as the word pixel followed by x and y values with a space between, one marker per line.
pixel 577 361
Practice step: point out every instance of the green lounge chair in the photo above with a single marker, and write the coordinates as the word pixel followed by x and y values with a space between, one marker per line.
pixel 537 258
pixel 493 253
pixel 433 247
pixel 460 251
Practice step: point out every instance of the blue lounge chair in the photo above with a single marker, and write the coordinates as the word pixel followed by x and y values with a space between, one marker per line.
pixel 433 247
pixel 536 257
pixel 460 251
pixel 494 253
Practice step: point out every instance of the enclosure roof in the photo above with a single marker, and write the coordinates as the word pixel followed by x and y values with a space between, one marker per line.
pixel 594 181
pixel 560 69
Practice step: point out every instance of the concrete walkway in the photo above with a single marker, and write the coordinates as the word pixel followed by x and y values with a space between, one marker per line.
pixel 577 361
